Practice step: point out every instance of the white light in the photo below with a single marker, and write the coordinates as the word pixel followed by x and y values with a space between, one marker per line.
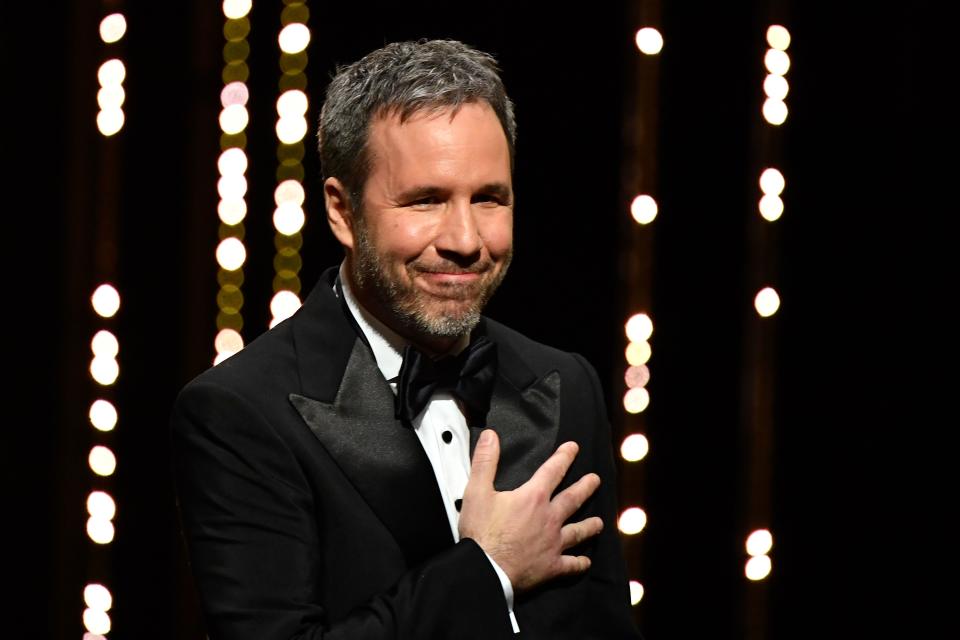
pixel 766 302
pixel 113 27
pixel 294 38
pixel 228 340
pixel 776 87
pixel 223 355
pixel 778 37
pixel 102 461
pixel 649 41
pixel 291 130
pixel 93 636
pixel 105 300
pixel 289 191
pixel 232 211
pixel 236 9
pixel 757 568
pixel 777 62
pixel 99 530
pixel 283 305
pixel 111 97
pixel 103 415
pixel 637 376
pixel 759 542
pixel 636 592
pixel 234 118
pixel 97 596
pixel 636 400
pixel 774 111
pixel 632 521
pixel 234 93
pixel 772 181
pixel 288 218
pixel 292 104
pixel 643 209
pixel 231 254
pixel 96 621
pixel 635 447
pixel 232 187
pixel 638 353
pixel 105 344
pixel 639 327
pixel 104 370
pixel 232 162
pixel 110 121
pixel 771 208
pixel 111 72
pixel 101 505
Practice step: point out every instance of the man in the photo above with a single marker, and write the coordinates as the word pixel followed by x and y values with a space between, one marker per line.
pixel 385 464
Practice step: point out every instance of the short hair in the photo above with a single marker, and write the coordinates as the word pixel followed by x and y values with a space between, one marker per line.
pixel 403 78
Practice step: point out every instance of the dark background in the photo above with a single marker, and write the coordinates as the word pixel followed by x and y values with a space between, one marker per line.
pixel 862 484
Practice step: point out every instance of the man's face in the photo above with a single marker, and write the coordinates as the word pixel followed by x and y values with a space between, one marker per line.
pixel 435 236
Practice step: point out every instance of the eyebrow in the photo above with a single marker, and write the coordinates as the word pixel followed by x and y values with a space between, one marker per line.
pixel 498 189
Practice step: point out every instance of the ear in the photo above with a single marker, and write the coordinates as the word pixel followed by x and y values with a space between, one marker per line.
pixel 339 212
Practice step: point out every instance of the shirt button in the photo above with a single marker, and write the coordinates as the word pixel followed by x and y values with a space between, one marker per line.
pixel 447 436
pixel 457 503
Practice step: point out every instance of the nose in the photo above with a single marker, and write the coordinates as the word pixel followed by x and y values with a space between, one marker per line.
pixel 458 232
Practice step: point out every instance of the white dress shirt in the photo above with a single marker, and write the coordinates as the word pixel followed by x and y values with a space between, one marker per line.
pixel 441 426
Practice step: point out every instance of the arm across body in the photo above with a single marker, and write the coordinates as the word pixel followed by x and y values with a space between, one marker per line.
pixel 250 521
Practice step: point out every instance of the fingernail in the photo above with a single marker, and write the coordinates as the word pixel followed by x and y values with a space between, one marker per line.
pixel 486 437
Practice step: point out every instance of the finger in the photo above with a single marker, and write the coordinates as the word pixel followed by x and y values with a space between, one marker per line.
pixel 573 534
pixel 552 471
pixel 571 565
pixel 572 498
pixel 486 455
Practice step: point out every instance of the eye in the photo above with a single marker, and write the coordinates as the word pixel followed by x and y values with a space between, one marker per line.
pixel 423 202
pixel 487 197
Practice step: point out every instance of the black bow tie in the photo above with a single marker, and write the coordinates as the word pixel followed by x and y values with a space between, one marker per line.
pixel 468 376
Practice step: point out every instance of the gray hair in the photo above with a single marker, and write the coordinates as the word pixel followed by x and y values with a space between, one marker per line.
pixel 402 78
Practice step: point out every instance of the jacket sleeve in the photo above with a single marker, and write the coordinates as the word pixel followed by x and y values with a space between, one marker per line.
pixel 250 522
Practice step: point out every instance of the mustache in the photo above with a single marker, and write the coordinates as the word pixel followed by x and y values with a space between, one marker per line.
pixel 447 266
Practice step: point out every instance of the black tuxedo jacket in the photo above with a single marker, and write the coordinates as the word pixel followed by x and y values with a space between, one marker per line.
pixel 310 512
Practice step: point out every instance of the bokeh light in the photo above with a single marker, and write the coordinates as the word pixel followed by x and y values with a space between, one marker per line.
pixel 771 207
pixel 776 87
pixel 231 254
pixel 772 181
pixel 639 327
pixel 294 38
pixel 289 191
pixel 636 400
pixel 632 521
pixel 644 209
pixel 775 111
pixel 757 567
pixel 236 9
pixel 634 447
pixel 103 415
pixel 101 505
pixel 96 621
pixel 97 596
pixel 766 302
pixel 638 353
pixel 105 300
pixel 649 41
pixel 777 62
pixel 104 370
pixel 234 93
pixel 228 340
pixel 111 72
pixel 113 27
pixel 234 118
pixel 232 212
pixel 759 542
pixel 105 344
pixel 283 305
pixel 636 592
pixel 291 130
pixel 288 218
pixel 100 530
pixel 102 461
pixel 637 376
pixel 778 37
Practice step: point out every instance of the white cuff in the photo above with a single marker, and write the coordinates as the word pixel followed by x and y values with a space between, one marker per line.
pixel 507 592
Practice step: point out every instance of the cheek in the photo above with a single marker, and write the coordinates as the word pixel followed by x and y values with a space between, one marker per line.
pixel 498 235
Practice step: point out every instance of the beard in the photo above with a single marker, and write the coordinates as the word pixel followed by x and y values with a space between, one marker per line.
pixel 415 312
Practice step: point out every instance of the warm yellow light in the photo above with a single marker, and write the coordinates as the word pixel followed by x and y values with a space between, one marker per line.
pixel 637 376
pixel 766 302
pixel 772 181
pixel 232 187
pixel 291 130
pixel 774 111
pixel 771 208
pixel 113 27
pixel 231 254
pixel 778 37
pixel 638 353
pixel 776 87
pixel 228 340
pixel 649 41
pixel 97 596
pixel 111 72
pixel 110 121
pixel 100 530
pixel 636 400
pixel 106 301
pixel 232 211
pixel 101 505
pixel 777 62
pixel 96 621
pixel 634 447
pixel 102 461
pixel 234 93
pixel 636 592
pixel 289 191
pixel 757 568
pixel 232 162
pixel 288 218
pixel 639 327
pixel 294 38
pixel 292 104
pixel 643 209
pixel 236 9
pixel 283 305
pixel 632 521
pixel 111 97
pixel 103 415
pixel 234 118
pixel 105 344
pixel 104 370
pixel 759 542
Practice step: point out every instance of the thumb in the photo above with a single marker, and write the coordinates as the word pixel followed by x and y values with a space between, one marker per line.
pixel 483 469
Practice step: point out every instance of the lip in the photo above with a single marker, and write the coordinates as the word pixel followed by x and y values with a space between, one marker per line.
pixel 452 278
